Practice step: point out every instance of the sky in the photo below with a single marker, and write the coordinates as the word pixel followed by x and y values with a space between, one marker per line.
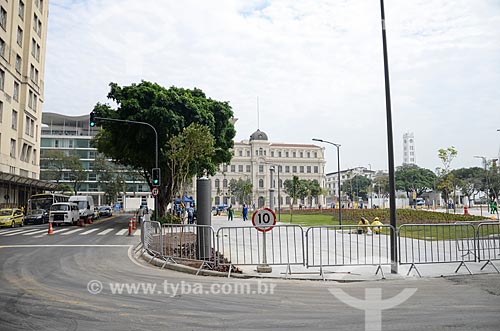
pixel 298 69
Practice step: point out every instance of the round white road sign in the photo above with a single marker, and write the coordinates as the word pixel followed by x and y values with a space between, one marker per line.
pixel 264 219
pixel 155 191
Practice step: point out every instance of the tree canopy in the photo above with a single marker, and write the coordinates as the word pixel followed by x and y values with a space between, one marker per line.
pixel 169 111
pixel 410 177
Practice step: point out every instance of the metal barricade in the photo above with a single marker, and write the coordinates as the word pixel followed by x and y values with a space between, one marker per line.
pixel 151 237
pixel 348 245
pixel 488 243
pixel 436 243
pixel 189 242
pixel 243 245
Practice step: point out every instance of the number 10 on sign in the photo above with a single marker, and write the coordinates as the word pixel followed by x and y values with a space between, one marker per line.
pixel 264 219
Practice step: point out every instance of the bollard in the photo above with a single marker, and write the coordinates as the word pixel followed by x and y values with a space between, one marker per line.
pixel 134 224
pixel 203 217
pixel 130 227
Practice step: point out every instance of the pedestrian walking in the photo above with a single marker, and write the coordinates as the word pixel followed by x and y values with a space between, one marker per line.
pixel 230 213
pixel 245 212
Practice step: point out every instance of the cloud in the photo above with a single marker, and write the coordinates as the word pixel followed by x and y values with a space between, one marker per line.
pixel 316 67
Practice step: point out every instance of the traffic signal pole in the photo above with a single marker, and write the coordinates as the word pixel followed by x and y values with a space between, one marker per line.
pixel 93 118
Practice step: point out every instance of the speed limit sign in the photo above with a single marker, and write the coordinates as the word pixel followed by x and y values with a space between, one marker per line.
pixel 155 191
pixel 264 219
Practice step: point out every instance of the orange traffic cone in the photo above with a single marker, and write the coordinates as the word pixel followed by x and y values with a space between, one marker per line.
pixel 130 227
pixel 50 229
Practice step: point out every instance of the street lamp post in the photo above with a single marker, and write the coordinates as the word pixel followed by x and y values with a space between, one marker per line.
pixel 338 172
pixel 272 169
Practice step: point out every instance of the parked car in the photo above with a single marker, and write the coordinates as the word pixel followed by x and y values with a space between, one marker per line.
pixel 37 216
pixel 11 217
pixel 105 211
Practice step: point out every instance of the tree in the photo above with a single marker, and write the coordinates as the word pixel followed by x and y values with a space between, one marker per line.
pixel 446 180
pixel 470 180
pixel 292 187
pixel 110 178
pixel 77 173
pixel 410 178
pixel 60 163
pixel 241 189
pixel 359 185
pixel 381 185
pixel 169 111
pixel 314 190
pixel 190 150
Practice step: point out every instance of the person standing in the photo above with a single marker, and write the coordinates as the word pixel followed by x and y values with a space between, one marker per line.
pixel 230 213
pixel 245 212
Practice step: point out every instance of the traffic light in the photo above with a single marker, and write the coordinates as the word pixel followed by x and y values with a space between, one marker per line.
pixel 156 176
pixel 92 119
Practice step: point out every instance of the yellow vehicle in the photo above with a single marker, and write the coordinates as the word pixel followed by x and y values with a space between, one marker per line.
pixel 11 217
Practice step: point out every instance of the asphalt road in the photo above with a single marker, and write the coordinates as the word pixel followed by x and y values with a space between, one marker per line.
pixel 46 284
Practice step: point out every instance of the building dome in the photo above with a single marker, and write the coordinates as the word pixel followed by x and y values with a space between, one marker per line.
pixel 258 135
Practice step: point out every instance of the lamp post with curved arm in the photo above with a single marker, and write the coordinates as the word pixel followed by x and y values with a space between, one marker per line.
pixel 338 172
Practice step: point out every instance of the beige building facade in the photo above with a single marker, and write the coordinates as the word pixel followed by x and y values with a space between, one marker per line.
pixel 23 36
pixel 256 158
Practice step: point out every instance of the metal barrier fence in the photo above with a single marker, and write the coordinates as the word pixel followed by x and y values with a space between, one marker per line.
pixel 284 245
pixel 488 243
pixel 189 242
pixel 342 245
pixel 151 237
pixel 436 243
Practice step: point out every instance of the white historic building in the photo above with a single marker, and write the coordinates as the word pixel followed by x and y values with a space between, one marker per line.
pixel 409 156
pixel 254 159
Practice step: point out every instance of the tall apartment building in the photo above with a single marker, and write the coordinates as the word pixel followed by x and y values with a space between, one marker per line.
pixel 23 35
pixel 72 135
pixel 253 159
pixel 409 156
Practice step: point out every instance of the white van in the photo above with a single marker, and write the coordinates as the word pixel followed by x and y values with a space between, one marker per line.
pixel 64 212
pixel 85 205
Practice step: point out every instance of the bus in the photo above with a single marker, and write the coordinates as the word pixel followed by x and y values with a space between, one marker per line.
pixel 44 201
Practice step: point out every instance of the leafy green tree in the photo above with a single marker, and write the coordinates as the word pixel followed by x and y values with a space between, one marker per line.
pixel 446 182
pixel 242 190
pixel 169 111
pixel 190 151
pixel 381 185
pixel 470 181
pixel 292 188
pixel 410 177
pixel 358 185
pixel 77 173
pixel 58 163
pixel 110 178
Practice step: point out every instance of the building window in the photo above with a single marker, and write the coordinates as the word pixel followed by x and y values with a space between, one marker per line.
pixel 240 168
pixel 316 169
pixel 286 154
pixel 18 63
pixel 301 154
pixel 272 153
pixel 279 154
pixel 2 79
pixel 14 119
pixel 33 47
pixel 308 155
pixel 35 102
pixel 217 184
pixel 249 168
pixel 35 21
pixel 56 143
pixel 308 169
pixel 261 183
pixel 3 18
pixel 1 111
pixel 233 168
pixel 294 169
pixel 13 148
pixel 2 47
pixel 280 183
pixel 37 52
pixel 261 168
pixel 19 36
pixel 240 152
pixel 39 28
pixel 301 169
pixel 294 154
pixel 16 91
pixel 315 155
pixel 224 183
pixel 21 9
pixel 248 153
pixel 287 169
pixel 30 99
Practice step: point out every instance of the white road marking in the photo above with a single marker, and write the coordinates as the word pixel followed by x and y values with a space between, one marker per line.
pixel 89 231
pixel 121 232
pixel 137 232
pixel 55 231
pixel 70 232
pixel 12 231
pixel 36 232
pixel 21 232
pixel 105 232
